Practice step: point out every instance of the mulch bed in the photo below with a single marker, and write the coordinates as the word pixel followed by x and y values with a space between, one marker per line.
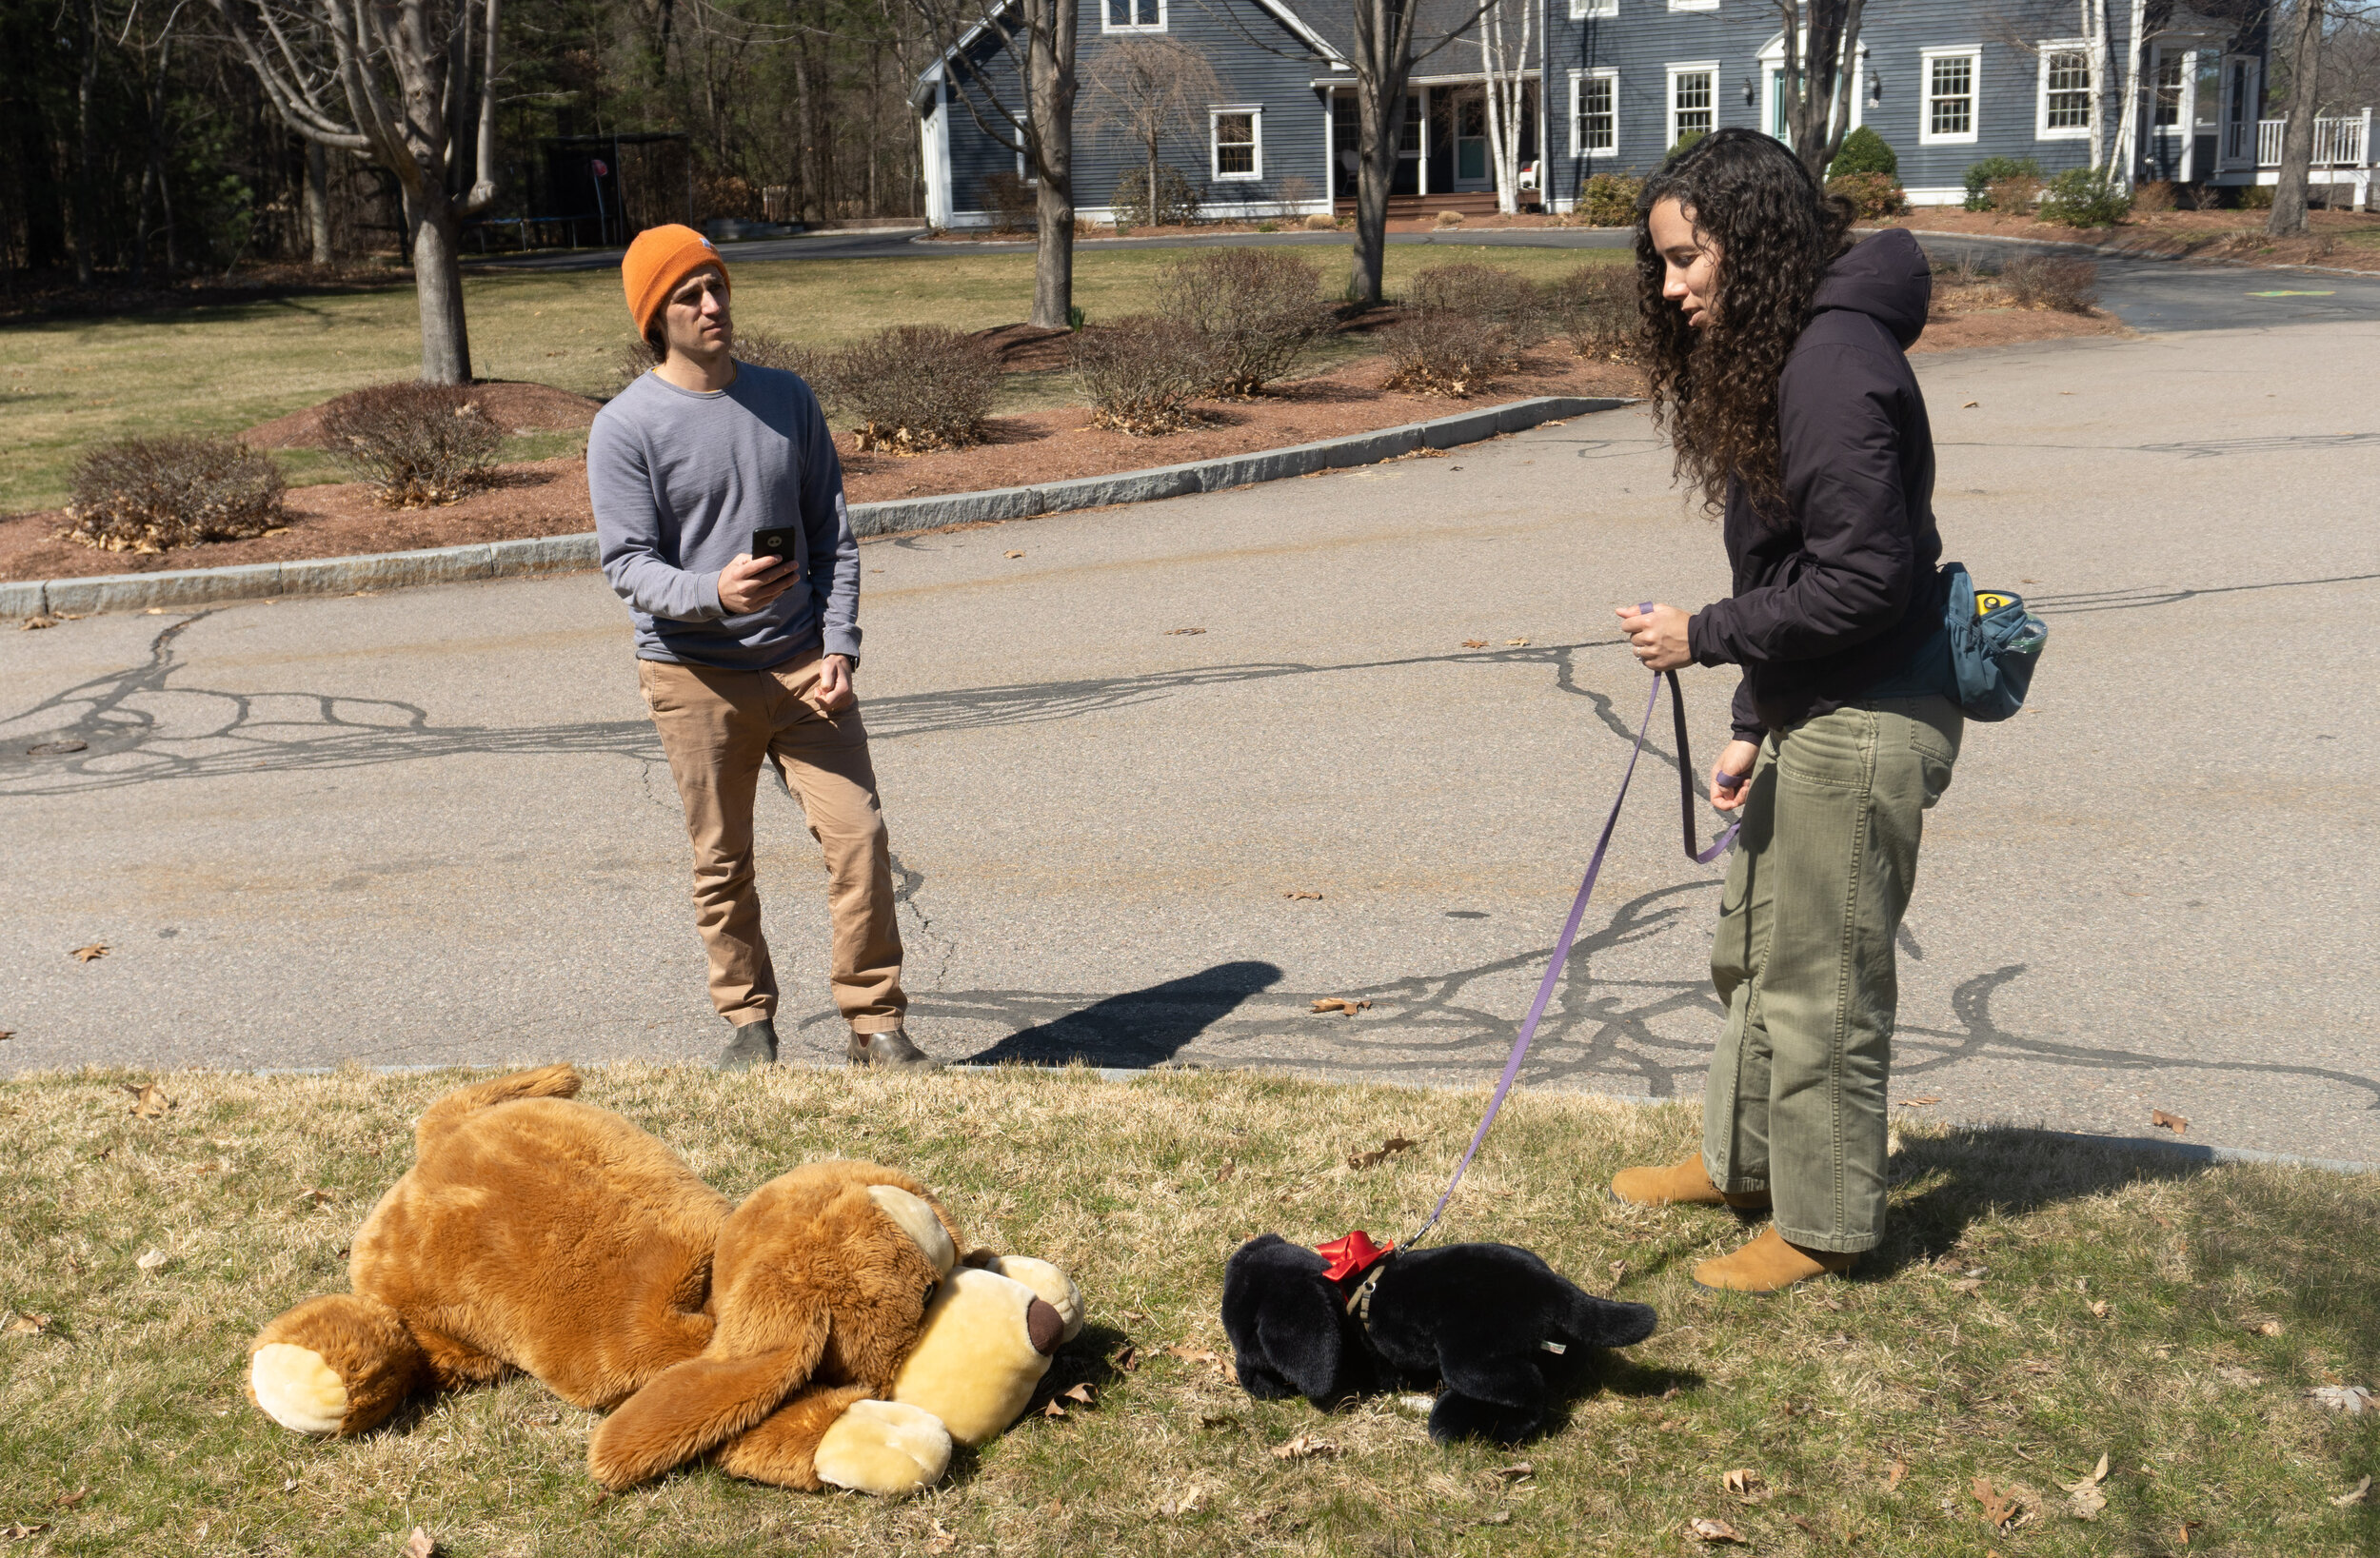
pixel 549 498
pixel 2222 237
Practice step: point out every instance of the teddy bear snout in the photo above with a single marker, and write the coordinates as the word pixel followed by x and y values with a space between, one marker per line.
pixel 1044 1326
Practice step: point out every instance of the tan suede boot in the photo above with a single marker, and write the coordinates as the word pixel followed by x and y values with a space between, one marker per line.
pixel 1683 1183
pixel 1768 1264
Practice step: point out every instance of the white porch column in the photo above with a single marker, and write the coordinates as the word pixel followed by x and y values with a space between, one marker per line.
pixel 1421 164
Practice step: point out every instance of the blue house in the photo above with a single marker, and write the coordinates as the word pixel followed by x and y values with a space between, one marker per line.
pixel 1612 85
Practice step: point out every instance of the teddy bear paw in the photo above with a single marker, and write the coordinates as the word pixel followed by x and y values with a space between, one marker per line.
pixel 883 1448
pixel 297 1388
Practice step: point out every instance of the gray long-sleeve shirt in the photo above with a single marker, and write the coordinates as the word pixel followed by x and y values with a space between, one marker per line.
pixel 681 480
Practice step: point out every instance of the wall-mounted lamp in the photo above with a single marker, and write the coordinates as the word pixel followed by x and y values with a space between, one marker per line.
pixel 1875 91
pixel 1752 94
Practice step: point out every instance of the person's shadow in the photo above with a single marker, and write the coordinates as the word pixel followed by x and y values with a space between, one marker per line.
pixel 1139 1028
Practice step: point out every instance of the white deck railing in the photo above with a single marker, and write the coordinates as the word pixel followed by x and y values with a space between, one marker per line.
pixel 2338 142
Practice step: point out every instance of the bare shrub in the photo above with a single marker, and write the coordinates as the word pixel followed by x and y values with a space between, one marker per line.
pixel 1598 308
pixel 1257 311
pixel 1009 200
pixel 1873 196
pixel 1141 372
pixel 1503 299
pixel 1437 351
pixel 2016 195
pixel 2157 196
pixel 418 444
pixel 1321 222
pixel 1295 190
pixel 1449 219
pixel 2071 286
pixel 148 494
pixel 916 387
pixel 1177 203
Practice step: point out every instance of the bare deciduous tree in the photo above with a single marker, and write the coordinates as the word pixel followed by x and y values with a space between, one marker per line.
pixel 1150 88
pixel 1821 39
pixel 1039 47
pixel 394 80
pixel 1507 92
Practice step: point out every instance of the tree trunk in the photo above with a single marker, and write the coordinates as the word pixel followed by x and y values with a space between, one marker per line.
pixel 86 178
pixel 438 289
pixel 1050 91
pixel 1381 116
pixel 1149 189
pixel 318 200
pixel 1817 76
pixel 2297 137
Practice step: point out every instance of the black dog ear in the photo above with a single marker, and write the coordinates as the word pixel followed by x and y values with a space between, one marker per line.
pixel 1619 1325
pixel 1284 1321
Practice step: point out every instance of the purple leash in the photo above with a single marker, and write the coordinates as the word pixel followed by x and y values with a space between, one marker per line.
pixel 1570 926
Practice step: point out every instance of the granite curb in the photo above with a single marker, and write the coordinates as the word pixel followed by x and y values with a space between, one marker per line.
pixel 571 554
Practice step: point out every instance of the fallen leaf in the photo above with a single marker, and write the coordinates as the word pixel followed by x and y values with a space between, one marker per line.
pixel 2175 1123
pixel 1081 1392
pixel 1012 554
pixel 1192 1354
pixel 1053 1409
pixel 1305 1447
pixel 1926 1102
pixel 2266 1327
pixel 68 1500
pixel 25 1325
pixel 1216 1420
pixel 1333 1003
pixel 1970 405
pixel 2354 1494
pixel 2093 1479
pixel 2008 1506
pixel 1517 643
pixel 1386 1150
pixel 1713 1530
pixel 6 1034
pixel 1968 1285
pixel 2350 1399
pixel 420 1545
pixel 85 955
pixel 1474 643
pixel 34 625
pixel 939 1539
pixel 1513 1472
pixel 1128 1360
pixel 1230 1368
pixel 1744 1483
pixel 2238 1378
pixel 150 1261
pixel 1810 1525
pixel 1224 1172
pixel 148 1100
pixel 2099 1308
pixel 2084 1500
pixel 319 1197
pixel 2187 1527
pixel 1184 632
pixel 1317 896
pixel 19 1531
pixel 2034 1366
pixel 1501 1517
pixel 1892 1475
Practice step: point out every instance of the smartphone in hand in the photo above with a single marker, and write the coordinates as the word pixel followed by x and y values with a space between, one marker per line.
pixel 779 544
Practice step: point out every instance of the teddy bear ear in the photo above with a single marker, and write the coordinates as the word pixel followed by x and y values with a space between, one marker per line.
pixel 1284 1319
pixel 1619 1325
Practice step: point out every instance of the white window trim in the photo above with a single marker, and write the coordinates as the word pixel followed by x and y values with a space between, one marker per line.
pixel 2041 130
pixel 1669 95
pixel 1694 5
pixel 1577 90
pixel 2158 54
pixel 1772 61
pixel 1214 150
pixel 1158 25
pixel 1973 54
pixel 1581 9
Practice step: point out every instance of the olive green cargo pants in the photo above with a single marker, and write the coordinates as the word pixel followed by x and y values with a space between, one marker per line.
pixel 1820 876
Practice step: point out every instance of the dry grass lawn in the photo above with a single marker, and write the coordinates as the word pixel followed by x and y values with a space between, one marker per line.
pixel 2040 1304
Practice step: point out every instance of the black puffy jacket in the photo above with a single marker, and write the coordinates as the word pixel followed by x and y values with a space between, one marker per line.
pixel 1841 594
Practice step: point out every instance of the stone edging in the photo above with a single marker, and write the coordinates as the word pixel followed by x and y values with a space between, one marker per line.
pixel 568 554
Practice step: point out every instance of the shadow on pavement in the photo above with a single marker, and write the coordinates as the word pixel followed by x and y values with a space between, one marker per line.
pixel 1139 1028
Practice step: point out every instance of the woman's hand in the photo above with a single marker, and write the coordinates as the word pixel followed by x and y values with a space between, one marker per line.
pixel 1658 637
pixel 1731 777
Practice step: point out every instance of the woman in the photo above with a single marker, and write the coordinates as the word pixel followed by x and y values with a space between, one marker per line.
pixel 1775 347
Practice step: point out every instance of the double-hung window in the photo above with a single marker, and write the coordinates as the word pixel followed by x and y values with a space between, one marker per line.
pixel 1236 136
pixel 2064 111
pixel 1132 15
pixel 1581 9
pixel 2168 110
pixel 1693 99
pixel 1595 113
pixel 1951 79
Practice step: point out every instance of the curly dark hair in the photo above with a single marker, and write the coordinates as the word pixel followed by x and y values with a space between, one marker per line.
pixel 1714 389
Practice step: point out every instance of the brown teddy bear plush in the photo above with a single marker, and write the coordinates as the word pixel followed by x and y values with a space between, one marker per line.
pixel 787 1336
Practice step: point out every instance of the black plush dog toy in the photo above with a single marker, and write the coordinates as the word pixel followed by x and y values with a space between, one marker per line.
pixel 1351 1318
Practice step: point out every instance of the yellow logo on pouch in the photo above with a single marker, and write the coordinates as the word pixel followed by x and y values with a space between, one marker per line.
pixel 1986 603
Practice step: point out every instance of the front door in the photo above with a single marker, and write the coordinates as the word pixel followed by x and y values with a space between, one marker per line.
pixel 2239 114
pixel 1471 141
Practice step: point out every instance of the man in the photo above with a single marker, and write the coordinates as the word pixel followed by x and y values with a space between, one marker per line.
pixel 739 658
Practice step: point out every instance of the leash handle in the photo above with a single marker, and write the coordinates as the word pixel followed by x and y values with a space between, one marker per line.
pixel 1686 795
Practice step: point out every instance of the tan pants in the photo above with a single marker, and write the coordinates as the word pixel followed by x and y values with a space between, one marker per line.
pixel 717 727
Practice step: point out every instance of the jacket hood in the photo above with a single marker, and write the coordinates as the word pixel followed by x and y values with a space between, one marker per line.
pixel 1885 277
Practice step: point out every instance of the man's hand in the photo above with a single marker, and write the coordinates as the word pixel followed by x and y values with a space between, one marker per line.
pixel 1658 637
pixel 749 583
pixel 834 692
pixel 1731 777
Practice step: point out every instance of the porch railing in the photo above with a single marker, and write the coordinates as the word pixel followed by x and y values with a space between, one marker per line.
pixel 2338 142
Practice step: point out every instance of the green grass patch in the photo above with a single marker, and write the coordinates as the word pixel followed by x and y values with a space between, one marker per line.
pixel 71 382
pixel 1967 1348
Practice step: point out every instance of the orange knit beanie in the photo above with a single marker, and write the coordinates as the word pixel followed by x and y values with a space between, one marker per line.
pixel 657 261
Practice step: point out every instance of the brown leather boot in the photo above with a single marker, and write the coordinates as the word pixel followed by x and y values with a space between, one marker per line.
pixel 1682 1183
pixel 890 1048
pixel 1768 1264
